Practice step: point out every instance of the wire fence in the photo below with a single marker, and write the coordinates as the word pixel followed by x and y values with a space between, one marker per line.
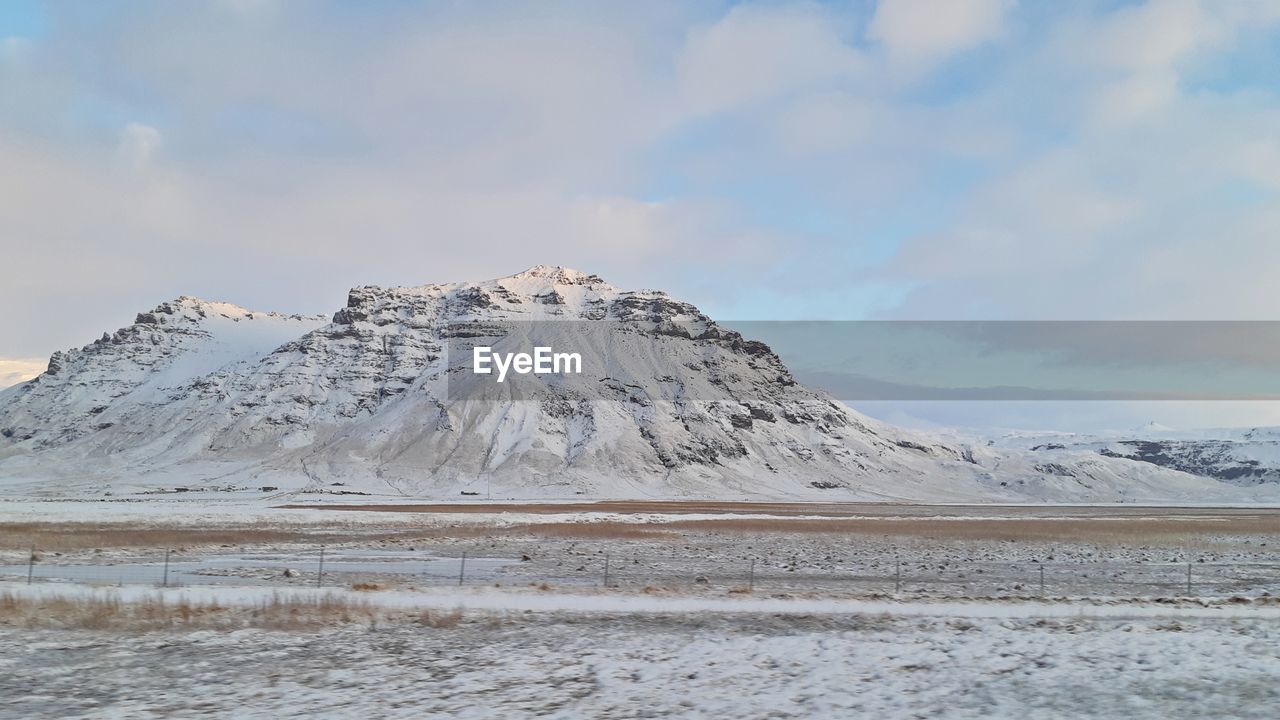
pixel 324 567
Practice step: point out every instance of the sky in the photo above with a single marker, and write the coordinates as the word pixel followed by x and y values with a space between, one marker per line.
pixel 891 159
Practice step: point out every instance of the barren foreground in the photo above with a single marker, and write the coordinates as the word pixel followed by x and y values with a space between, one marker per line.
pixel 570 665
pixel 764 612
pixel 688 547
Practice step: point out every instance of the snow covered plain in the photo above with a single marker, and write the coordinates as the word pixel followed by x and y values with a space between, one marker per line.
pixel 954 552
pixel 656 660
pixel 548 641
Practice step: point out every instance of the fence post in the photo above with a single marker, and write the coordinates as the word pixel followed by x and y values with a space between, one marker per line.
pixel 1042 580
pixel 897 576
pixel 606 569
pixel 1188 579
pixel 31 564
pixel 320 571
pixel 462 568
pixel 165 581
pixel 751 576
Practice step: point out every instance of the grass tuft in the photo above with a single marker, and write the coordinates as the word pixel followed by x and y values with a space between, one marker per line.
pixel 288 613
pixel 439 618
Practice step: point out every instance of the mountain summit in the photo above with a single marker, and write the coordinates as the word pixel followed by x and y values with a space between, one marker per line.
pixel 202 395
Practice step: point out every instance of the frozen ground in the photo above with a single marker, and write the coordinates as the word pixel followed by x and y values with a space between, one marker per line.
pixel 948 552
pixel 509 663
pixel 538 636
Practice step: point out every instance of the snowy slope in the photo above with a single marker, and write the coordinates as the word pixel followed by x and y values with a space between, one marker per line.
pixel 1243 457
pixel 201 395
pixel 144 365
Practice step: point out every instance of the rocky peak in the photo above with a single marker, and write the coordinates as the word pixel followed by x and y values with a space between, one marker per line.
pixel 541 292
pixel 183 309
pixel 556 275
pixel 187 309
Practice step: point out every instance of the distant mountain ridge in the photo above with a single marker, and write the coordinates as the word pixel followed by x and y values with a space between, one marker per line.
pixel 201 395
pixel 1243 457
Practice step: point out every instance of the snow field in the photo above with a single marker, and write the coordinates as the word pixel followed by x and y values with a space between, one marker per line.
pixel 662 659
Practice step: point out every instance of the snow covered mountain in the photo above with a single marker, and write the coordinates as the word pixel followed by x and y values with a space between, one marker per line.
pixel 198 395
pixel 1244 457
pixel 83 391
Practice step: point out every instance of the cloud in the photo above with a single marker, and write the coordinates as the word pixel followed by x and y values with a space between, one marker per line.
pixel 138 143
pixel 1139 54
pixel 16 370
pixel 1153 191
pixel 760 52
pixel 300 159
pixel 826 160
pixel 925 31
pixel 13 48
pixel 252 8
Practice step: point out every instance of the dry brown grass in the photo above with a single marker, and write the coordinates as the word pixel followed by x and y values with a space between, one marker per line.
pixel 368 586
pixel 100 612
pixel 75 536
pixel 79 537
pixel 1121 524
pixel 312 613
pixel 600 530
pixel 71 536
pixel 439 618
pixel 280 613
pixel 612 506
pixel 1117 531
pixel 808 509
pixel 1125 531
pixel 1118 525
